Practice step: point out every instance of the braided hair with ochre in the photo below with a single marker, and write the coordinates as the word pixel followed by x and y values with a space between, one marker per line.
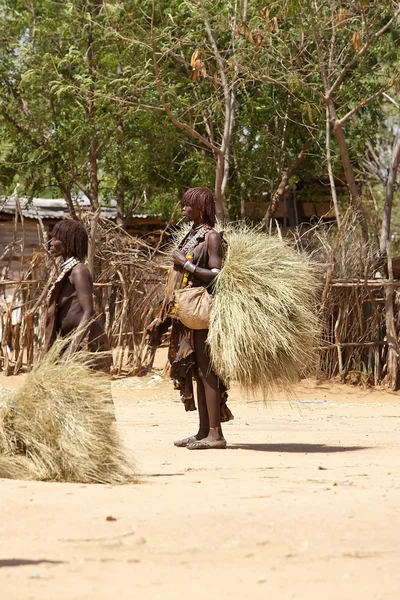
pixel 201 198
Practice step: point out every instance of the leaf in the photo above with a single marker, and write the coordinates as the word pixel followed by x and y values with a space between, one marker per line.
pixel 194 57
pixel 257 38
pixel 250 37
pixel 357 41
pixel 198 67
pixel 264 14
pixel 341 18
pixel 275 22
pixel 310 116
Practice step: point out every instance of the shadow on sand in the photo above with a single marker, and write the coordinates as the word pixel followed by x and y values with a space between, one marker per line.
pixel 22 562
pixel 297 448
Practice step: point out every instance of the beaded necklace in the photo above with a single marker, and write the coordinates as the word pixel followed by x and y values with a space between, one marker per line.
pixel 191 240
pixel 67 266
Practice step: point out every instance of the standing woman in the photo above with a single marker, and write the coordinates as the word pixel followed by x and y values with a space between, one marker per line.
pixel 197 262
pixel 70 299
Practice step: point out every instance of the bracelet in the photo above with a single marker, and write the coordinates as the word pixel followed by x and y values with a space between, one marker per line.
pixel 188 266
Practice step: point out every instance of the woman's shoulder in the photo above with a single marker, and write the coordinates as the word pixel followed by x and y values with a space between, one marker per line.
pixel 213 234
pixel 80 270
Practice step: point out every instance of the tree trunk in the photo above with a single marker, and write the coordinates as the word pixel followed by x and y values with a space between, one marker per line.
pixel 391 334
pixel 94 182
pixel 348 170
pixel 93 166
pixel 329 167
pixel 92 241
pixel 390 188
pixel 221 208
pixel 120 189
pixel 336 124
pixel 242 186
pixel 385 247
pixel 68 199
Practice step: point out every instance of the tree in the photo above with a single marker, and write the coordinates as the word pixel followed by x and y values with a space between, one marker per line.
pixel 70 79
pixel 323 54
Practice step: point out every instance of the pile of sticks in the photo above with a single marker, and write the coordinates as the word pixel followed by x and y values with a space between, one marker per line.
pixel 358 306
pixel 355 343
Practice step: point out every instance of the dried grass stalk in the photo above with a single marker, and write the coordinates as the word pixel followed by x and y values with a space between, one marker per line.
pixel 263 325
pixel 60 425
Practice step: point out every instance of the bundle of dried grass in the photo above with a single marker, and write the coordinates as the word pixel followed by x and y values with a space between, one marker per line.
pixel 263 325
pixel 59 425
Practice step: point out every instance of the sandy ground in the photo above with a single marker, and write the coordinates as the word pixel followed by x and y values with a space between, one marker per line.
pixel 303 504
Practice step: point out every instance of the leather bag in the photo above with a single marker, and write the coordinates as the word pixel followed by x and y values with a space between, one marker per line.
pixel 194 307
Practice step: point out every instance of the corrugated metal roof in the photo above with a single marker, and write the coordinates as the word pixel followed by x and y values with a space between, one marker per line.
pixel 45 208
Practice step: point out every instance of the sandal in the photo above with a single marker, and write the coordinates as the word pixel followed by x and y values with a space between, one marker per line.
pixel 206 445
pixel 183 443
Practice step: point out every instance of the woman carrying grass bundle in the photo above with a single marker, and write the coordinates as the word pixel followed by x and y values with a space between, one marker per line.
pixel 70 299
pixel 197 262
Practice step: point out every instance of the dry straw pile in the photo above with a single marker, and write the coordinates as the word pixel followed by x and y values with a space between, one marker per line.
pixel 60 425
pixel 263 327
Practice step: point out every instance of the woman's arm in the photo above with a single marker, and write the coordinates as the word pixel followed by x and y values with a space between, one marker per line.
pixel 214 259
pixel 82 281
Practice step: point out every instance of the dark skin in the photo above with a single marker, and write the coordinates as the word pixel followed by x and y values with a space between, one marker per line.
pixel 75 302
pixel 208 394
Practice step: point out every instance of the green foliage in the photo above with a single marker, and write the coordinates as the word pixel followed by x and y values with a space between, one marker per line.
pixel 80 110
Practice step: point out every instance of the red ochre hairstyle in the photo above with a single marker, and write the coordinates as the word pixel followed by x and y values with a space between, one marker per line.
pixel 201 198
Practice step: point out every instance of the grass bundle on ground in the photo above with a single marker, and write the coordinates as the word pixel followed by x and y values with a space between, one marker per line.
pixel 263 324
pixel 60 425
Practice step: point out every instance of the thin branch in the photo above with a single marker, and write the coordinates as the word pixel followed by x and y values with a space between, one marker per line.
pixel 396 104
pixel 363 103
pixel 81 186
